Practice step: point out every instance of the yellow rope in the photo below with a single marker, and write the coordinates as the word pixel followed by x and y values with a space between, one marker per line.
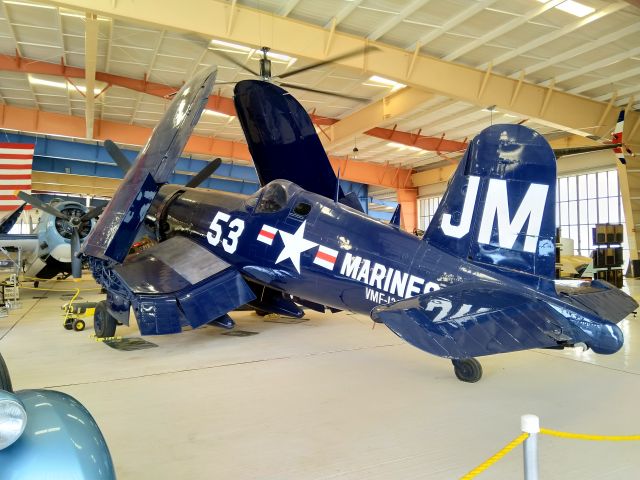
pixel 582 436
pixel 487 463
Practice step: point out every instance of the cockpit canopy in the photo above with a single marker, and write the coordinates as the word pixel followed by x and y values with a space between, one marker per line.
pixel 273 197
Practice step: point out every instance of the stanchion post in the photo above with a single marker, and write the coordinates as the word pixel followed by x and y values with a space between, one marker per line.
pixel 530 424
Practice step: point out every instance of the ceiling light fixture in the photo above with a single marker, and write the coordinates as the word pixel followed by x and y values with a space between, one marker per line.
pixel 574 8
pixel 216 114
pixel 378 81
pixel 25 4
pixel 47 83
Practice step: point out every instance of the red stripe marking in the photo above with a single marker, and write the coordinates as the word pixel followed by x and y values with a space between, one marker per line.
pixel 4 208
pixel 326 257
pixel 24 146
pixel 16 156
pixel 269 235
pixel 20 176
pixel 15 186
pixel 24 166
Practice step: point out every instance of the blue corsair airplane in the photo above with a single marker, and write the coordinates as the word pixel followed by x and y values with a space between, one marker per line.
pixel 479 282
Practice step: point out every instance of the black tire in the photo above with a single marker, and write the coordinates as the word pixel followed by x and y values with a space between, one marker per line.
pixel 261 313
pixel 5 378
pixel 78 325
pixel 467 369
pixel 104 325
pixel 68 324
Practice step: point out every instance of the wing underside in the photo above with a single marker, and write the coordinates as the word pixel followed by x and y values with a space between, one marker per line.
pixel 180 283
pixel 481 318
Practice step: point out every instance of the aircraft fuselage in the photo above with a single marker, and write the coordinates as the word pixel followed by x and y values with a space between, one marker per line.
pixel 330 254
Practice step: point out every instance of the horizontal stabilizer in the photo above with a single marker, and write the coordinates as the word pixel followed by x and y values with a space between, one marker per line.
pixel 602 298
pixel 478 318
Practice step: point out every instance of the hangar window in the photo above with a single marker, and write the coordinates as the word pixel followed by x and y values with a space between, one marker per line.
pixel 426 210
pixel 584 200
pixel 274 199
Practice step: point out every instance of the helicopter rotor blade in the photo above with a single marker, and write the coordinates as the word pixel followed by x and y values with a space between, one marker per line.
pixel 324 92
pixel 337 58
pixel 230 59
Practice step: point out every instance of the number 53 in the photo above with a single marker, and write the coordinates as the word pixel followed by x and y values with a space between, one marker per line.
pixel 214 236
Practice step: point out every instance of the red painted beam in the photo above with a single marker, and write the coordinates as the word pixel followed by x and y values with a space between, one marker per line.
pixel 433 144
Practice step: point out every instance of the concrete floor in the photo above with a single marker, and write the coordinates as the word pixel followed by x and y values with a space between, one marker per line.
pixel 328 398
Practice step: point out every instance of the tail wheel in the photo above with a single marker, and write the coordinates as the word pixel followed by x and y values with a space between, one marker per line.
pixel 104 324
pixel 467 369
pixel 5 379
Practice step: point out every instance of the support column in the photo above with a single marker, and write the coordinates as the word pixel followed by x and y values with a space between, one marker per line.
pixel 629 211
pixel 407 198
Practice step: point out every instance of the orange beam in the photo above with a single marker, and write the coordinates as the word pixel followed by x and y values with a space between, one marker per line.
pixel 37 121
pixel 26 65
pixel 216 102
pixel 433 144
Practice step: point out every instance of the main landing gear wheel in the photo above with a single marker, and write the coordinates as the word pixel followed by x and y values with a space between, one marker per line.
pixel 5 379
pixel 104 325
pixel 467 369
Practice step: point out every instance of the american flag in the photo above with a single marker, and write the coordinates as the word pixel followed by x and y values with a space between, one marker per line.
pixel 15 173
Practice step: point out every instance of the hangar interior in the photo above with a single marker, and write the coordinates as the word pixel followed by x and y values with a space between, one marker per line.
pixel 327 396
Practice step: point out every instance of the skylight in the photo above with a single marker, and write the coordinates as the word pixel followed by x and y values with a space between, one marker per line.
pixel 574 8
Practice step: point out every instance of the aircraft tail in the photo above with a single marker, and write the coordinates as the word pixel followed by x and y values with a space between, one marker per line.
pixel 499 209
pixel 617 137
pixel 8 222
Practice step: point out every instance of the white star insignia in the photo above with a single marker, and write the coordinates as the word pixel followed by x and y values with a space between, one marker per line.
pixel 294 245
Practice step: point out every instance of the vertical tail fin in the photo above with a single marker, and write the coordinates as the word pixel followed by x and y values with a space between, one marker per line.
pixel 395 218
pixel 617 137
pixel 499 209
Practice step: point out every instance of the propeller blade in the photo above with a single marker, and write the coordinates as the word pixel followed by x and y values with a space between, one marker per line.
pixel 230 59
pixel 324 92
pixel 91 214
pixel 203 174
pixel 40 205
pixel 116 154
pixel 337 58
pixel 76 261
